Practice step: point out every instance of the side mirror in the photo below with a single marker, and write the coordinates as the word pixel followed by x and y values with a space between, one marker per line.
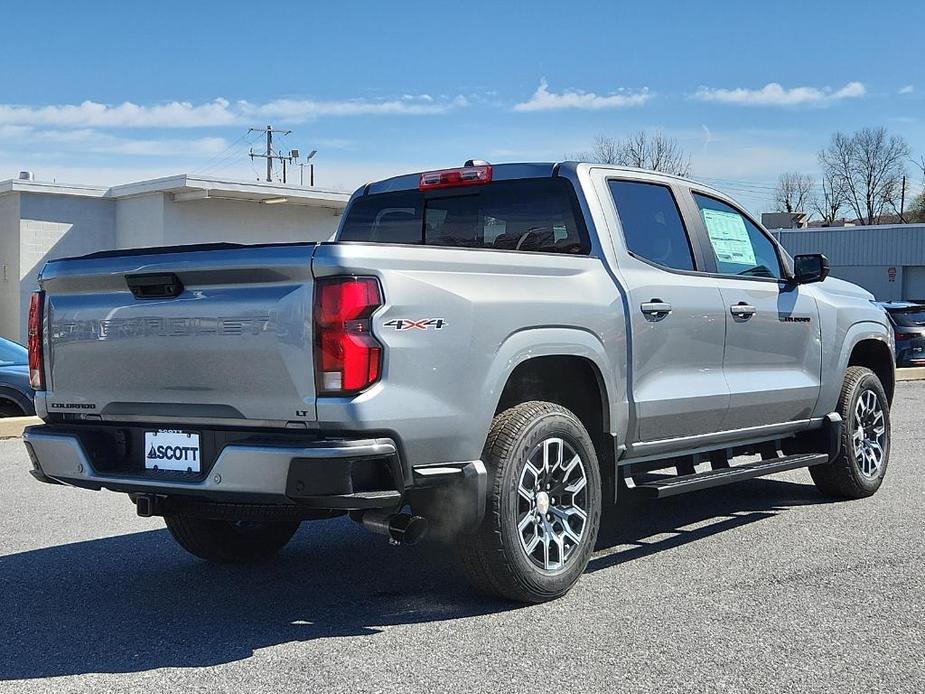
pixel 812 267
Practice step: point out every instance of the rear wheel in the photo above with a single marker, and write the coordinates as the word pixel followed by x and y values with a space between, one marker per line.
pixel 544 505
pixel 861 464
pixel 226 541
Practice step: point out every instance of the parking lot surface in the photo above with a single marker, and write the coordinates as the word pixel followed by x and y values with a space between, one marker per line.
pixel 761 587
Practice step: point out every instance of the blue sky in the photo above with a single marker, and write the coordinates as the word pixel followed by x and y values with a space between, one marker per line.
pixel 109 92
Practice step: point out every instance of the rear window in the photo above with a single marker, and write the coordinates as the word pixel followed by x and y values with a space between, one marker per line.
pixel 909 318
pixel 12 353
pixel 535 214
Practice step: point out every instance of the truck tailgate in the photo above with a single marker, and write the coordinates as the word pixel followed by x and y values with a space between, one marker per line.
pixel 231 344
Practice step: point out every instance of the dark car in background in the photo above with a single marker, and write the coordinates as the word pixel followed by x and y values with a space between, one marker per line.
pixel 15 392
pixel 908 321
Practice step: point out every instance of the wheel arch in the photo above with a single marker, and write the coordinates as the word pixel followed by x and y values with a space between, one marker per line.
pixel 14 397
pixel 575 382
pixel 572 348
pixel 571 368
pixel 875 354
pixel 862 343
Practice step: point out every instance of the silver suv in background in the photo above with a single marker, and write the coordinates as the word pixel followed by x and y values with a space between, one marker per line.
pixel 488 354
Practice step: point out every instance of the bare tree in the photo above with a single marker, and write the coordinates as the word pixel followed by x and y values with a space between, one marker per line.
pixel 657 152
pixel 870 164
pixel 605 150
pixel 794 191
pixel 831 198
pixel 916 213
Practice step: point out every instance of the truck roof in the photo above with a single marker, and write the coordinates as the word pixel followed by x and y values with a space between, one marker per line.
pixel 502 172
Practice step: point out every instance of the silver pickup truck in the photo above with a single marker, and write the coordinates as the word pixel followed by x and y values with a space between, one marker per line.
pixel 489 354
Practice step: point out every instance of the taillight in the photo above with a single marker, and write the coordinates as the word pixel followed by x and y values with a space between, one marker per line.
pixel 451 178
pixel 36 367
pixel 347 356
pixel 900 337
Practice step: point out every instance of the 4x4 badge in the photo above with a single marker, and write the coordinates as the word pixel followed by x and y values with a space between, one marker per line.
pixel 422 324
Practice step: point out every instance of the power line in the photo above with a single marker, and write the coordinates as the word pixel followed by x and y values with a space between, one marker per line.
pixel 232 157
pixel 220 155
pixel 222 162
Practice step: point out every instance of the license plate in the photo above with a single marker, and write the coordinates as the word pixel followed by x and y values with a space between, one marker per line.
pixel 169 449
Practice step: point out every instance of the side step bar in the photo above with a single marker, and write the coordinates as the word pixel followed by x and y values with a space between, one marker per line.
pixel 670 486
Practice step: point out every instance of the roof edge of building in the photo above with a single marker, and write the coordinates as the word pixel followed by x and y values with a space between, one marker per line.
pixel 16 185
pixel 856 227
pixel 212 187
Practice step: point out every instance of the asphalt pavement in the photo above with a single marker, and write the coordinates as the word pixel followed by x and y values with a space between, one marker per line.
pixel 761 587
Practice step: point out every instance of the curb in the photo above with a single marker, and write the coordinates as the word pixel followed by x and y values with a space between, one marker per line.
pixel 12 427
pixel 913 373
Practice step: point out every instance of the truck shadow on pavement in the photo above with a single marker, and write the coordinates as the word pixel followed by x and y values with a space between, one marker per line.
pixel 638 528
pixel 137 602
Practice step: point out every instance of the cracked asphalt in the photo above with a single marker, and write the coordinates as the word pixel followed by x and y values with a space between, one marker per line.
pixel 761 587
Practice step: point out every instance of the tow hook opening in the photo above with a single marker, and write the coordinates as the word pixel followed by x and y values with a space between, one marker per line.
pixel 400 528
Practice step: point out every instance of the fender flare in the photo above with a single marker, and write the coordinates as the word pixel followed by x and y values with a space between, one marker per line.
pixel 530 343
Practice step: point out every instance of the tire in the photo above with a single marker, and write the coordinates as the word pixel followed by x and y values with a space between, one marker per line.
pixel 230 542
pixel 496 556
pixel 10 409
pixel 850 475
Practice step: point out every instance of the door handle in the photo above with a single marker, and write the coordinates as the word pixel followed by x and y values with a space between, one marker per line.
pixel 656 308
pixel 742 310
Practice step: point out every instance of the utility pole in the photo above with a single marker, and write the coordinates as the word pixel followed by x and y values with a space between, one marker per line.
pixel 269 155
pixel 902 202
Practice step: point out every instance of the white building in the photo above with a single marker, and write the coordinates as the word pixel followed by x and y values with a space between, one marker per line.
pixel 40 221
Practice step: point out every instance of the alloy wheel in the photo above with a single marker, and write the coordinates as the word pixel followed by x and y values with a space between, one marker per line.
pixel 552 514
pixel 869 435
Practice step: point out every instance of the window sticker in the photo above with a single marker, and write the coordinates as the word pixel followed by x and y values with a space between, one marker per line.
pixel 729 237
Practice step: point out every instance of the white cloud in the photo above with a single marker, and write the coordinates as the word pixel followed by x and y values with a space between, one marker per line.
pixel 773 94
pixel 90 114
pixel 219 112
pixel 90 141
pixel 908 89
pixel 301 110
pixel 545 100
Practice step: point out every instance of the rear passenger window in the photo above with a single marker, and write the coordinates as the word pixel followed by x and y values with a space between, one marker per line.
pixel 534 214
pixel 652 225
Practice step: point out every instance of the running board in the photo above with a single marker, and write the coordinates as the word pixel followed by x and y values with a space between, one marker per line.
pixel 670 486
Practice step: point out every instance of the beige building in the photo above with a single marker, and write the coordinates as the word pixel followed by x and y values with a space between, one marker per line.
pixel 40 221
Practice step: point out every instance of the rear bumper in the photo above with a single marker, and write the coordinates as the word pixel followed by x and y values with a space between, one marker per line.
pixel 335 474
pixel 911 353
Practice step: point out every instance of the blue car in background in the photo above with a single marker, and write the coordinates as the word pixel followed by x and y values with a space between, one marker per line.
pixel 15 392
pixel 908 319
